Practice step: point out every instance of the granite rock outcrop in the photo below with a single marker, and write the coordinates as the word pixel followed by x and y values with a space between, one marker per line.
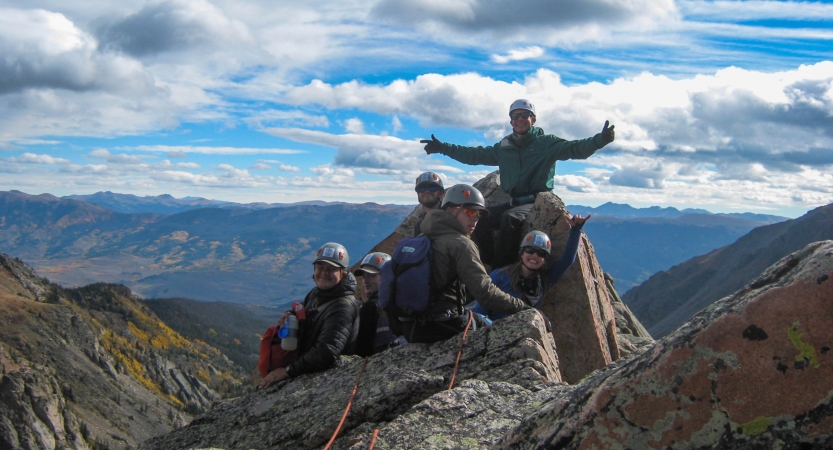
pixel 753 370
pixel 504 374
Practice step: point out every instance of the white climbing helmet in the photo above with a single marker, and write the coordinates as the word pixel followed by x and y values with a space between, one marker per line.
pixel 522 103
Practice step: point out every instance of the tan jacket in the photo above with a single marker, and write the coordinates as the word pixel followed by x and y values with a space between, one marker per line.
pixel 456 258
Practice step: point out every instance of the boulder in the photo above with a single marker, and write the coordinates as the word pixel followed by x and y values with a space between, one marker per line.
pixel 753 370
pixel 507 366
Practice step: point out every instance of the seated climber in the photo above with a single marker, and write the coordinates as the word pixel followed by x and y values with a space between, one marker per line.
pixel 526 160
pixel 455 269
pixel 526 278
pixel 429 189
pixel 430 193
pixel 332 315
pixel 374 330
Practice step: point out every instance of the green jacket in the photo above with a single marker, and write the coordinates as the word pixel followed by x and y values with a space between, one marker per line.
pixel 456 259
pixel 526 168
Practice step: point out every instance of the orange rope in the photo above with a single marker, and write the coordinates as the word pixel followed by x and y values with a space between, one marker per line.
pixel 349 405
pixel 373 439
pixel 460 353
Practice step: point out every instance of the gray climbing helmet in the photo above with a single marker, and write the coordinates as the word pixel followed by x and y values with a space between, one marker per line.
pixel 428 178
pixel 372 263
pixel 537 239
pixel 465 195
pixel 333 254
pixel 522 103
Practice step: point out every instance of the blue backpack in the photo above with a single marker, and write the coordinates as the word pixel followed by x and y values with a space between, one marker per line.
pixel 406 278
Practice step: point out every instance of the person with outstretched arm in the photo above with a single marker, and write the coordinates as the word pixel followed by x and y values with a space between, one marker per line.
pixel 526 160
pixel 526 279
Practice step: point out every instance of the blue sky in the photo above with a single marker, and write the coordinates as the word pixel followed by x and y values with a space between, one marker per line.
pixel 722 105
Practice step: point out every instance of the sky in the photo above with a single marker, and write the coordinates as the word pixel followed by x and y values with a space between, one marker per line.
pixel 720 105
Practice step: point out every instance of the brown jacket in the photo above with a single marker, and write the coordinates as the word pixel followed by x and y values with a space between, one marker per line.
pixel 456 258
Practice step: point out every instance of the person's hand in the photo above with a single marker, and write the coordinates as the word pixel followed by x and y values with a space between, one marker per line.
pixel 577 220
pixel 433 145
pixel 273 377
pixel 282 319
pixel 608 134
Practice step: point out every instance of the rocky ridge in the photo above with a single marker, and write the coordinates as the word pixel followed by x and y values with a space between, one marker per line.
pixel 93 368
pixel 752 371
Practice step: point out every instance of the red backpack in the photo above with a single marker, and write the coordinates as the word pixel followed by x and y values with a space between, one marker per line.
pixel 272 355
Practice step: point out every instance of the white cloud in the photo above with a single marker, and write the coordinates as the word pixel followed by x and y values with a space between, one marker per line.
pixel 781 119
pixel 576 183
pixel 260 166
pixel 288 168
pixel 354 125
pixel 755 10
pixel 115 159
pixel 360 150
pixel 271 117
pixel 518 55
pixel 219 150
pixel 31 158
pixel 264 164
pixel 396 124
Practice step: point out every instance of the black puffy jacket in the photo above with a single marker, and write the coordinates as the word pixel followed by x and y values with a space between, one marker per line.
pixel 329 330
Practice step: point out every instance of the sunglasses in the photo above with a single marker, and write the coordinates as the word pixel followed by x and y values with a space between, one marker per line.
pixel 531 250
pixel 432 188
pixel 523 115
pixel 473 213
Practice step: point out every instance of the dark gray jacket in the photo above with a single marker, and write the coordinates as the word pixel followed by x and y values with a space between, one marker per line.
pixel 329 330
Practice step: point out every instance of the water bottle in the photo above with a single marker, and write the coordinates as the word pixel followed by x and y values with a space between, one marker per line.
pixel 289 334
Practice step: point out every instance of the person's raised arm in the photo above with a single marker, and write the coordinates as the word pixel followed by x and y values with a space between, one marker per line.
pixel 568 257
pixel 466 155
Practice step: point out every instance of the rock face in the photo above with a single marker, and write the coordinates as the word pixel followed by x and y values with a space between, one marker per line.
pixel 92 367
pixel 754 370
pixel 33 410
pixel 505 372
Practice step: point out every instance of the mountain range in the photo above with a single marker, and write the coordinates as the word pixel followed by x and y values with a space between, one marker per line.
pixel 167 204
pixel 248 256
pixel 223 251
pixel 625 211
pixel 670 297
